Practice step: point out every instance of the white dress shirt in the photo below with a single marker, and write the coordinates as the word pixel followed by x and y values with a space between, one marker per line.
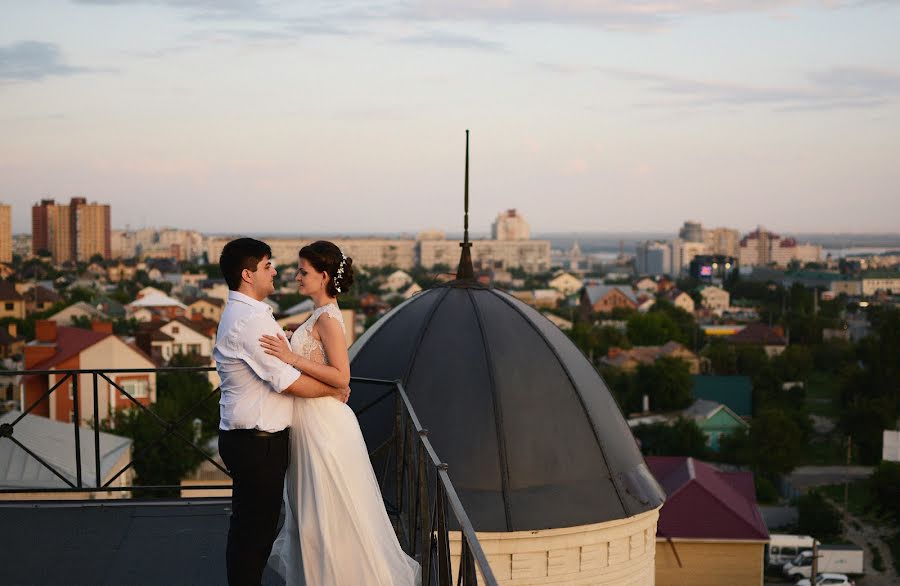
pixel 252 381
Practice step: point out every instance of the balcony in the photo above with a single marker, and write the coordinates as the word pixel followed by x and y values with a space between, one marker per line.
pixel 83 516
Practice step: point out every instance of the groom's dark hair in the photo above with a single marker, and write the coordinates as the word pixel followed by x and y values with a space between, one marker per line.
pixel 240 254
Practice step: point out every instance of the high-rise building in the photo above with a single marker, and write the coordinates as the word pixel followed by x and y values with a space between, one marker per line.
pixel 763 248
pixel 691 232
pixel 653 258
pixel 510 225
pixel 76 231
pixel 6 247
pixel 723 241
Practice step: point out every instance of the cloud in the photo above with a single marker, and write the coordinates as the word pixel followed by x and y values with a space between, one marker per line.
pixel 451 41
pixel 613 14
pixel 834 88
pixel 33 61
pixel 202 9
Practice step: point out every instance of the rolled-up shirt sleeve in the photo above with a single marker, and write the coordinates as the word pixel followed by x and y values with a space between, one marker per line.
pixel 267 367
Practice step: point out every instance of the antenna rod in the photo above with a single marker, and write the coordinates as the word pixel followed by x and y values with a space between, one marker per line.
pixel 466 214
pixel 465 271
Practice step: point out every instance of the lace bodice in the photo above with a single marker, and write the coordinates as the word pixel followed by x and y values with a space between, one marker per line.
pixel 304 343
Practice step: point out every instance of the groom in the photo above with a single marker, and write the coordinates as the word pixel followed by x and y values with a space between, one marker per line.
pixel 255 408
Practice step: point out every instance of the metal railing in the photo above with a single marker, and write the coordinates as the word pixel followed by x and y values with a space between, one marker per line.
pixel 424 496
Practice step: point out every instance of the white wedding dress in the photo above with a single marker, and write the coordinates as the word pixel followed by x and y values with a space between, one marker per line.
pixel 336 531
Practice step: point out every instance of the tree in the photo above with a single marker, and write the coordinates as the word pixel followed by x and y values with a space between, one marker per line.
pixel 722 358
pixel 776 441
pixel 885 486
pixel 167 461
pixel 817 517
pixel 653 329
pixel 681 438
pixel 667 382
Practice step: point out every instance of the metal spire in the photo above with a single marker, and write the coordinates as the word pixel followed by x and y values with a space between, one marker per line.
pixel 465 270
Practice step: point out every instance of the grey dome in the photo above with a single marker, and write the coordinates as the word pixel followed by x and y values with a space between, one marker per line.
pixel 530 432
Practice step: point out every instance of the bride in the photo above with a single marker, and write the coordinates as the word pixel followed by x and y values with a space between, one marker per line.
pixel 336 531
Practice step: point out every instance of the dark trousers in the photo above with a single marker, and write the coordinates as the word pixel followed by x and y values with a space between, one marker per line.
pixel 257 465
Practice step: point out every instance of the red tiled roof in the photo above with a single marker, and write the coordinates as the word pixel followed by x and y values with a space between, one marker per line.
pixel 705 503
pixel 70 342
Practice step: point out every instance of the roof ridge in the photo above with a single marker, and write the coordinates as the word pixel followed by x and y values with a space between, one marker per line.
pixel 726 503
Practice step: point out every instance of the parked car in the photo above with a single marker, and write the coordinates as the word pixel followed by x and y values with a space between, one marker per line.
pixel 832 558
pixel 829 579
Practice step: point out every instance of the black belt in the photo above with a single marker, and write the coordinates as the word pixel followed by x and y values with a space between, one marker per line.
pixel 257 433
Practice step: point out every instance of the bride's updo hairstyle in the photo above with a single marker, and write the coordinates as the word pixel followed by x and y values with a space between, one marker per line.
pixel 326 257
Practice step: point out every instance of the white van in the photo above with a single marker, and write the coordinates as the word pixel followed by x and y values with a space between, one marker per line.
pixel 784 548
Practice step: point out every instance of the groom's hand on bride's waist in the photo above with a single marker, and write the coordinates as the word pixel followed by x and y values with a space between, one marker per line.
pixel 342 395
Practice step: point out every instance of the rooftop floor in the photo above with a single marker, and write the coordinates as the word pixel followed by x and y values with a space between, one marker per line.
pixel 109 542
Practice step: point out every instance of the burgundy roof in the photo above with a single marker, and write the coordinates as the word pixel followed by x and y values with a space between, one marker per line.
pixel 705 503
pixel 758 333
pixel 8 291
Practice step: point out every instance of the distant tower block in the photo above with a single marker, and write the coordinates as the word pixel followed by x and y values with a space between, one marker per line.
pixel 510 225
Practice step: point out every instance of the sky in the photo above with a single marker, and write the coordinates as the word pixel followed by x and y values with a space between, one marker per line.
pixel 259 116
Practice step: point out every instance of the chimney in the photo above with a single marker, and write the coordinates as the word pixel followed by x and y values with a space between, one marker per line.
pixel 13 330
pixel 104 327
pixel 45 330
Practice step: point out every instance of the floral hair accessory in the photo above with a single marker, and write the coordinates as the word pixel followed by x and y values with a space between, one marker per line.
pixel 340 272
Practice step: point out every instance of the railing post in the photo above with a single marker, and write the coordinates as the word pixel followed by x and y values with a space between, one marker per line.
pixel 445 573
pixel 76 412
pixel 97 433
pixel 423 512
pixel 398 444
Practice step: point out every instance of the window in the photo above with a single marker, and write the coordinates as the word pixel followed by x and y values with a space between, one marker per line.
pixel 193 348
pixel 137 388
pixel 175 329
pixel 789 551
pixel 10 306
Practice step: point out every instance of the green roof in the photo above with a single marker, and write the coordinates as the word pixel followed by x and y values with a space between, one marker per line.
pixel 734 391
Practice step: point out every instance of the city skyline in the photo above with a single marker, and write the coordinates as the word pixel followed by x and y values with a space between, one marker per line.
pixel 602 117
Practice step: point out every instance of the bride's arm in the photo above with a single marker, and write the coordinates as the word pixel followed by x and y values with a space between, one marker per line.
pixel 336 373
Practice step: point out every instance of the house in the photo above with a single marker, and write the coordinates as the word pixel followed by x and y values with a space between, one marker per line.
pixel 771 339
pixel 181 336
pixel 58 347
pixel 206 307
pixel 81 309
pixel 39 299
pixel 539 298
pixel 646 285
pixel 396 281
pixel 710 530
pixel 148 291
pixel 6 271
pixel 11 344
pixel 605 298
pixel 715 298
pixel 628 360
pixel 680 299
pixel 566 283
pixel 12 304
pixel 121 271
pixel 715 420
pixel 735 392
pixel 216 288
pixel 53 442
pixel 153 304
